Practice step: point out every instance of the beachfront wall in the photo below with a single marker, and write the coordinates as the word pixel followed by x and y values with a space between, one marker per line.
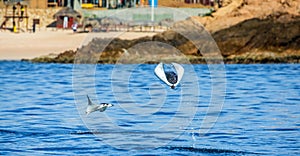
pixel 35 4
pixel 178 13
pixel 38 4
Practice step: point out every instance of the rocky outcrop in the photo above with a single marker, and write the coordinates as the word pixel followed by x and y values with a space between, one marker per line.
pixel 65 57
pixel 275 39
pixel 278 33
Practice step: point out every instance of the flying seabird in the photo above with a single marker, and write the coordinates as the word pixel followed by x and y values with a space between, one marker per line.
pixel 96 107
pixel 171 78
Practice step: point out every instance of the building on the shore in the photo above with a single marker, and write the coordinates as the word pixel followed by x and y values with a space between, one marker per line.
pixel 39 4
pixel 66 17
pixel 76 4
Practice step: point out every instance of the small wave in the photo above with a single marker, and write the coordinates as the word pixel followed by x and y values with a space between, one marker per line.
pixel 28 133
pixel 84 133
pixel 93 132
pixel 3 131
pixel 207 150
pixel 118 132
pixel 63 149
pixel 282 129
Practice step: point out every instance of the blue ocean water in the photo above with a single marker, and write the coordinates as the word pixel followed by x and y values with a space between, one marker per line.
pixel 42 111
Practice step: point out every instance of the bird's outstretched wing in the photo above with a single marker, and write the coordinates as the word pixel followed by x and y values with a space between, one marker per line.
pixel 160 73
pixel 179 70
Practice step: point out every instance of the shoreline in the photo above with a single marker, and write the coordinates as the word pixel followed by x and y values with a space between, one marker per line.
pixel 27 45
pixel 48 46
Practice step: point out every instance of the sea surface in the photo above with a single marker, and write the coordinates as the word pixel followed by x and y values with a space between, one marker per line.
pixel 228 110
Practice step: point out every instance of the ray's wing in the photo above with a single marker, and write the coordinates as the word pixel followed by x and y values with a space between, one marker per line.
pixel 89 100
pixel 179 70
pixel 160 73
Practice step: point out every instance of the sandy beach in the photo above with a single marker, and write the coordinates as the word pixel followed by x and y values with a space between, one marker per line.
pixel 29 45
